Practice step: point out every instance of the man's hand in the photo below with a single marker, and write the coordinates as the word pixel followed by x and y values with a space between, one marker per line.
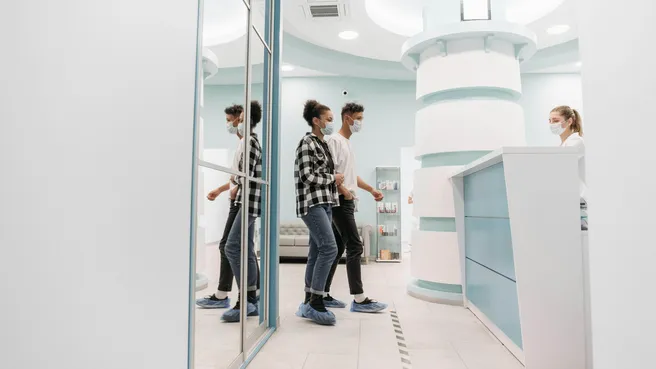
pixel 378 196
pixel 339 179
pixel 214 194
pixel 233 193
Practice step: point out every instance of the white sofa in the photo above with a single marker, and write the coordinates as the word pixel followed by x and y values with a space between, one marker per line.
pixel 295 240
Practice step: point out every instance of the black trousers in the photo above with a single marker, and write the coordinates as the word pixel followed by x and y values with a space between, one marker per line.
pixel 348 239
pixel 225 272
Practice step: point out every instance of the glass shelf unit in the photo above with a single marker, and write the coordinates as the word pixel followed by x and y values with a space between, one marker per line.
pixel 388 215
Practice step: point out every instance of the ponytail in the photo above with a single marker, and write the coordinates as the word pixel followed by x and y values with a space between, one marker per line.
pixel 577 122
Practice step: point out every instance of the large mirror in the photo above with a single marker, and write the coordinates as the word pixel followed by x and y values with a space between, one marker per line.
pixel 233 186
pixel 217 327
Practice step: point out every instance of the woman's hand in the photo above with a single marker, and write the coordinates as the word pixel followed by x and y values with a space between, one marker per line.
pixel 339 179
pixel 233 193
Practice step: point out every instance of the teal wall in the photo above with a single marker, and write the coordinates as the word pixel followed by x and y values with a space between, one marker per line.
pixel 543 92
pixel 389 120
pixel 388 126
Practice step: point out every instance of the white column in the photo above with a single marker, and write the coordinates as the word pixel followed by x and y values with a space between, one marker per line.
pixel 468 86
pixel 616 46
pixel 96 146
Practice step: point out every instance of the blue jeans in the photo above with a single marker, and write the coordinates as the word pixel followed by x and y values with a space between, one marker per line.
pixel 323 248
pixel 233 251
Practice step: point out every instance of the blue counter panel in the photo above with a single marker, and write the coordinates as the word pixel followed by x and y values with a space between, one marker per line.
pixel 496 297
pixel 488 242
pixel 485 193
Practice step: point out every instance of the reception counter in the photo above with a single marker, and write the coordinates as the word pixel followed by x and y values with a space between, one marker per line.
pixel 522 261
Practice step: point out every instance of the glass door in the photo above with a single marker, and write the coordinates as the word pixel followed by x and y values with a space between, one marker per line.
pixel 233 311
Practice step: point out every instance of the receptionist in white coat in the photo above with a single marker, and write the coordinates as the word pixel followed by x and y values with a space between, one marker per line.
pixel 566 123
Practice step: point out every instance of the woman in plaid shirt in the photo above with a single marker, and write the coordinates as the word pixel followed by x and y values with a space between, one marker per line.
pixel 316 194
pixel 252 203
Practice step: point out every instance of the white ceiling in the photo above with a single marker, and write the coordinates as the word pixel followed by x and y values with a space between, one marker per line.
pixel 389 23
pixel 383 26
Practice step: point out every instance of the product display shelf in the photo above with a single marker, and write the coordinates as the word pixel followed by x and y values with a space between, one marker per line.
pixel 389 248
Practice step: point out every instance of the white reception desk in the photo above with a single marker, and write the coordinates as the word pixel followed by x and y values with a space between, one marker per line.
pixel 522 260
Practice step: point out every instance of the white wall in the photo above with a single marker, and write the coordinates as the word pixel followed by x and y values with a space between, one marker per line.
pixel 96 112
pixel 618 88
pixel 543 92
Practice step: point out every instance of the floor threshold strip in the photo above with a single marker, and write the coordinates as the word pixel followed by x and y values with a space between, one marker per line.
pixel 406 363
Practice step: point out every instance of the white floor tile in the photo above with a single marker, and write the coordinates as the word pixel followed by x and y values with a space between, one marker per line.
pixel 331 361
pixel 431 359
pixel 436 336
pixel 277 360
pixel 486 356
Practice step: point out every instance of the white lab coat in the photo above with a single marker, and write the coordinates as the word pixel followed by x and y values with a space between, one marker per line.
pixel 575 140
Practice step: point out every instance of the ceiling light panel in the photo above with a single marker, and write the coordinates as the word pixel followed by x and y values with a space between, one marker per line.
pixel 348 35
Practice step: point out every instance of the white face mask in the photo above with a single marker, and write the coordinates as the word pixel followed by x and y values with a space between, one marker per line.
pixel 330 128
pixel 357 126
pixel 557 128
pixel 240 129
pixel 232 129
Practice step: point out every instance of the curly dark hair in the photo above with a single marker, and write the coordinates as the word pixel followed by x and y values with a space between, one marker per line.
pixel 313 109
pixel 351 108
pixel 234 110
pixel 256 113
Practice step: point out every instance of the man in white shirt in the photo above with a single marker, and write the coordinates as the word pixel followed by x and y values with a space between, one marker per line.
pixel 344 225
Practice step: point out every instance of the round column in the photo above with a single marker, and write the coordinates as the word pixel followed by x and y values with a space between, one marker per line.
pixel 468 87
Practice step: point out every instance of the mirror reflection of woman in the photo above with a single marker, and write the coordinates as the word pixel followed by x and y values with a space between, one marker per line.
pixel 568 125
pixel 316 194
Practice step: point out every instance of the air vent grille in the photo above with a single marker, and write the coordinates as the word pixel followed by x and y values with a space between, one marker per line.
pixel 324 11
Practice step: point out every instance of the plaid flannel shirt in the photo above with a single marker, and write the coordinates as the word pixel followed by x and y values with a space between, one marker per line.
pixel 255 171
pixel 314 172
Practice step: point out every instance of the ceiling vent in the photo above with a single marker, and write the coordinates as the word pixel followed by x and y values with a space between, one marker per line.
pixel 324 11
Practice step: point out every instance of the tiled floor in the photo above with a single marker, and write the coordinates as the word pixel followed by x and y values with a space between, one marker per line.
pixel 437 336
pixel 217 343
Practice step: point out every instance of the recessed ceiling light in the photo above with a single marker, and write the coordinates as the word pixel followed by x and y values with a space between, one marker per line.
pixel 348 35
pixel 557 30
pixel 579 64
pixel 287 68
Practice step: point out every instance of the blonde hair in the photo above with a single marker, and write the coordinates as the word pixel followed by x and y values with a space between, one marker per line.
pixel 567 113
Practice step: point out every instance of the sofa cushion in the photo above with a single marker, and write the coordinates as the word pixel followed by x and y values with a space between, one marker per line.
pixel 293 229
pixel 302 241
pixel 286 240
